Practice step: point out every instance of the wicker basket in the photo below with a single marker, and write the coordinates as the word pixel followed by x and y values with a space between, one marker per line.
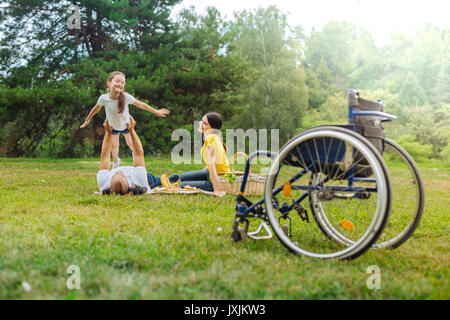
pixel 254 186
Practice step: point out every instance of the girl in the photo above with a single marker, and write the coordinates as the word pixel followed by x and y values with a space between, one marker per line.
pixel 116 103
pixel 214 155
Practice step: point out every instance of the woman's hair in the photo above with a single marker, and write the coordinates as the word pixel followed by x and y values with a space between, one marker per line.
pixel 121 103
pixel 215 121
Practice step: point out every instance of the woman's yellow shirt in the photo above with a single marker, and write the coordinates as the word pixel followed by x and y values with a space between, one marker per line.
pixel 215 142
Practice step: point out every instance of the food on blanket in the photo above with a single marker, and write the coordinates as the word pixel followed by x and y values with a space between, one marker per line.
pixel 230 177
pixel 165 180
pixel 174 189
pixel 188 187
pixel 166 183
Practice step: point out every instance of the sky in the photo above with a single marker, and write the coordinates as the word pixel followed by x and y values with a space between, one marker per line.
pixel 379 17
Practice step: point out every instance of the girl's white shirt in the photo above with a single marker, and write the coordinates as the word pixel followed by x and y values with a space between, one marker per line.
pixel 118 121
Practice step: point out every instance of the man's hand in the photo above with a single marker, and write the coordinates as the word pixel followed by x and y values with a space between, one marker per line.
pixel 162 112
pixel 84 125
pixel 130 126
pixel 107 126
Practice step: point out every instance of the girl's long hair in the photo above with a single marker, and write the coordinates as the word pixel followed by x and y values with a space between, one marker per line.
pixel 215 121
pixel 121 103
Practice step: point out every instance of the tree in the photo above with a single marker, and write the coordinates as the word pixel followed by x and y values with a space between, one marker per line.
pixel 411 91
pixel 277 96
pixel 336 46
pixel 186 72
pixel 441 92
pixel 40 27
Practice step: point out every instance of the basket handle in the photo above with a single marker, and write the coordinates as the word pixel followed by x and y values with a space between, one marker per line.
pixel 234 157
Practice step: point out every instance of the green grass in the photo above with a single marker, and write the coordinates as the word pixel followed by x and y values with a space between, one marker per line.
pixel 179 247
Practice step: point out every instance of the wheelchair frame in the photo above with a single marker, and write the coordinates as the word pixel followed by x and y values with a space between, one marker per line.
pixel 245 209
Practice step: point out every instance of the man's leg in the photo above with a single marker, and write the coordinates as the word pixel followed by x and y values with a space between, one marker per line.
pixel 153 181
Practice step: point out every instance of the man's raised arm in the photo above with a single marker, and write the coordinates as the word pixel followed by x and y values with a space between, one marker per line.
pixel 105 160
pixel 139 160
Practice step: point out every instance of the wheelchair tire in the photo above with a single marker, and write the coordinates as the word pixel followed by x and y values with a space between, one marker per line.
pixel 321 144
pixel 408 196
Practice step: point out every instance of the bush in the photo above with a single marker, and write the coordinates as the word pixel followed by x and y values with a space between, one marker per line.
pixel 445 153
pixel 417 150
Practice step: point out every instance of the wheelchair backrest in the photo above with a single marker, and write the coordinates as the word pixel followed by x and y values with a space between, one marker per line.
pixel 368 126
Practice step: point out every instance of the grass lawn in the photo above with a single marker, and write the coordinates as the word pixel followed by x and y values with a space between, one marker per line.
pixel 179 247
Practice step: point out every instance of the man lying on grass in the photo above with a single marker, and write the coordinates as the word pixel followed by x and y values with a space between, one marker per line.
pixel 125 180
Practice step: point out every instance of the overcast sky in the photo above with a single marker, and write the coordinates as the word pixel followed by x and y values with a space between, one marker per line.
pixel 379 17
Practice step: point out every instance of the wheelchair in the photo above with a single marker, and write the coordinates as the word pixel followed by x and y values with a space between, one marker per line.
pixel 329 193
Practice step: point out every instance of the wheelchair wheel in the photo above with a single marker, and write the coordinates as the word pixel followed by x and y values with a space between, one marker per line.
pixel 324 166
pixel 407 196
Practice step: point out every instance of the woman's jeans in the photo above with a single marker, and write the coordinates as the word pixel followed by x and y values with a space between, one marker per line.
pixel 199 179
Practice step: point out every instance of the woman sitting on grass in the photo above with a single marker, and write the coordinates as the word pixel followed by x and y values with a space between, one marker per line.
pixel 214 155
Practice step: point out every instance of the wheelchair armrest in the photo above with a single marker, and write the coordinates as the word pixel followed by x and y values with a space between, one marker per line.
pixel 386 116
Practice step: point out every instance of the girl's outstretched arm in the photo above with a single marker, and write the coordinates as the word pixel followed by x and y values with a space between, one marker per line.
pixel 93 112
pixel 160 113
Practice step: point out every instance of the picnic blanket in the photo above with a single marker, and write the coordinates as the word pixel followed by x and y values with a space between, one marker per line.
pixel 174 190
pixel 185 190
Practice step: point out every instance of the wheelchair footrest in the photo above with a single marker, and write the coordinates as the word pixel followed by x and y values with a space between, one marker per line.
pixel 254 235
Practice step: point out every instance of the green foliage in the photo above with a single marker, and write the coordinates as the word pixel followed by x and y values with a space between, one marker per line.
pixel 441 94
pixel 277 95
pixel 318 82
pixel 255 69
pixel 411 90
pixel 445 154
pixel 340 48
pixel 105 26
pixel 188 73
pixel 418 151
pixel 31 114
pixel 230 177
pixel 410 74
pixel 333 111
